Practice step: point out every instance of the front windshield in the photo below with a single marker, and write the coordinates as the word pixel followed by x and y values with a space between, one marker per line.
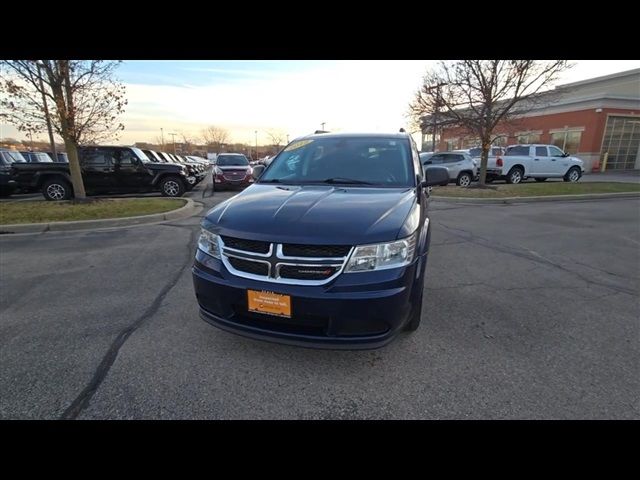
pixel 13 156
pixel 141 155
pixel 376 161
pixel 232 161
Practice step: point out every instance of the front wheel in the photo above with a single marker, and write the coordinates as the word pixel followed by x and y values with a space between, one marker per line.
pixel 515 175
pixel 573 175
pixel 416 311
pixel 172 187
pixel 464 179
pixel 56 189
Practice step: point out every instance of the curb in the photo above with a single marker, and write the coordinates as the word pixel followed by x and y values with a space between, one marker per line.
pixel 549 198
pixel 187 210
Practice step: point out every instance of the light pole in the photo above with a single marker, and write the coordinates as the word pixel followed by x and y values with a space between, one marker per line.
pixel 323 125
pixel 174 142
pixel 256 132
pixel 287 138
pixel 162 137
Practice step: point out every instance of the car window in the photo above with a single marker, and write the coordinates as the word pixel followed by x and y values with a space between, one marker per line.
pixel 232 161
pixel 11 156
pixel 97 158
pixel 127 157
pixel 517 150
pixel 555 151
pixel 379 161
pixel 541 151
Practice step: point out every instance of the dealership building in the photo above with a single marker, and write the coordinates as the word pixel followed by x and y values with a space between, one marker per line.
pixel 592 119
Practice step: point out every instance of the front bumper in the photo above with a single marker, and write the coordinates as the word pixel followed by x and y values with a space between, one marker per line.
pixel 355 311
pixel 225 182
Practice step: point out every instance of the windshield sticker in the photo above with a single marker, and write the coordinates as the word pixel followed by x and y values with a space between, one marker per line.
pixel 296 145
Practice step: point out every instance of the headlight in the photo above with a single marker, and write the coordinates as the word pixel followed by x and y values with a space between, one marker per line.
pixel 208 243
pixel 217 171
pixel 382 255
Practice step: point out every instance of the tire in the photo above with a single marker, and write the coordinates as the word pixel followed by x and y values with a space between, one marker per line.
pixel 5 193
pixel 464 179
pixel 172 186
pixel 489 180
pixel 573 175
pixel 515 175
pixel 541 179
pixel 416 312
pixel 444 184
pixel 56 189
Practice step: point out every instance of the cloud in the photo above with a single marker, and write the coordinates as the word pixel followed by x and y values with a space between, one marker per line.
pixel 347 95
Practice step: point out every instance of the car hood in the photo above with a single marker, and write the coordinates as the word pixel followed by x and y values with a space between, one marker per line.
pixel 172 167
pixel 313 214
pixel 233 167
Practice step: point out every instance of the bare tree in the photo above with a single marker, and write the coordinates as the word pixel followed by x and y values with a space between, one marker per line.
pixel 477 95
pixel 277 137
pixel 189 142
pixel 214 137
pixel 86 100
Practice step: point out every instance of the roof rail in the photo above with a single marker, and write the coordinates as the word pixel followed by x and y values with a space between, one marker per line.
pixel 402 130
pixel 320 131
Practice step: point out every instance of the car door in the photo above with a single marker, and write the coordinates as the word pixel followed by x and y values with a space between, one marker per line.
pixel 130 172
pixel 97 166
pixel 558 164
pixel 541 163
pixel 455 163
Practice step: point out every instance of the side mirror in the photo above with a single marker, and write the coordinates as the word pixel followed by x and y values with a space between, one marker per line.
pixel 435 176
pixel 428 162
pixel 257 171
pixel 565 154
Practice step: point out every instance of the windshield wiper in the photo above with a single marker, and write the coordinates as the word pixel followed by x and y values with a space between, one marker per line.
pixel 271 180
pixel 342 180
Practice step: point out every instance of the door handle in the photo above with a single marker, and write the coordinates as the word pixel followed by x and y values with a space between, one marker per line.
pixel 536 159
pixel 106 169
pixel 553 159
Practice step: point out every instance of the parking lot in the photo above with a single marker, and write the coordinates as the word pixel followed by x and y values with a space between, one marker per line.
pixel 531 311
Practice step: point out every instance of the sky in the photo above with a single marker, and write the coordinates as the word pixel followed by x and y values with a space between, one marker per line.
pixel 287 96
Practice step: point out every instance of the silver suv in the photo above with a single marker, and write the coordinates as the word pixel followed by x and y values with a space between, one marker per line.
pixel 462 169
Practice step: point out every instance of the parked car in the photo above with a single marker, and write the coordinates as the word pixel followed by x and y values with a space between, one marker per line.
pixel 200 160
pixel 192 169
pixel 7 158
pixel 232 170
pixel 461 167
pixel 536 161
pixel 330 253
pixel 36 157
pixel 105 169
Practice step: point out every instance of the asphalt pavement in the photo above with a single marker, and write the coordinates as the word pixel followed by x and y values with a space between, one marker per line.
pixel 530 311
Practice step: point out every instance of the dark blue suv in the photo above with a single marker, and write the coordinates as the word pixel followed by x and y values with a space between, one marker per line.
pixel 327 249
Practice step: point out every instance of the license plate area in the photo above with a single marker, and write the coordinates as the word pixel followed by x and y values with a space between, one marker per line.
pixel 269 302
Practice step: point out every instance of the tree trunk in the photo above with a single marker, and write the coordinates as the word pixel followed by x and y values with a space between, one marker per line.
pixel 484 160
pixel 74 167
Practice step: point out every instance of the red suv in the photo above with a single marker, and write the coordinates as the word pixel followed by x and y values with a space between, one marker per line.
pixel 232 169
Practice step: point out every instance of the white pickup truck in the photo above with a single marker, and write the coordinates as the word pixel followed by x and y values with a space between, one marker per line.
pixel 534 161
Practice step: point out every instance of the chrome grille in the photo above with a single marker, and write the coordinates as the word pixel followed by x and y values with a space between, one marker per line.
pixel 274 262
pixel 295 250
